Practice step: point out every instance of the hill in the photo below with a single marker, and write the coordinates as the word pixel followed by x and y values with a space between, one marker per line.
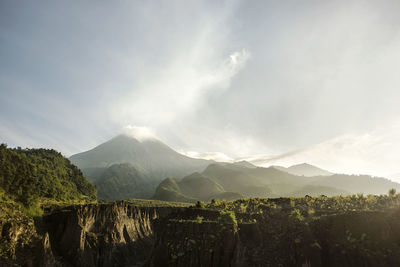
pixel 150 161
pixel 244 163
pixel 266 183
pixel 304 169
pixel 27 175
pixel 124 181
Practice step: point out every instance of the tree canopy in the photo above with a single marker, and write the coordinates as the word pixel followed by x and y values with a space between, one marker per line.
pixel 27 175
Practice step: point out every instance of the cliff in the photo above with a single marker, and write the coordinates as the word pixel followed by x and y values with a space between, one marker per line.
pixel 104 234
pixel 123 234
pixel 20 243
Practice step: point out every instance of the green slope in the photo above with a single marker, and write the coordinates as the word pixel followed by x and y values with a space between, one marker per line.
pixel 270 182
pixel 191 188
pixel 27 175
pixel 124 181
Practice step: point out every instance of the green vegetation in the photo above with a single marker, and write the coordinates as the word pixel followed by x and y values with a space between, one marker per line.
pixel 191 188
pixel 29 176
pixel 199 219
pixel 227 217
pixel 153 203
pixel 124 181
pixel 200 205
pixel 306 207
pixel 392 192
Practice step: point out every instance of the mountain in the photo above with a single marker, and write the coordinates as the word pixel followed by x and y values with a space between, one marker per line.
pixel 219 179
pixel 192 188
pixel 29 175
pixel 122 181
pixel 228 181
pixel 394 177
pixel 304 169
pixel 150 161
pixel 244 163
pixel 357 183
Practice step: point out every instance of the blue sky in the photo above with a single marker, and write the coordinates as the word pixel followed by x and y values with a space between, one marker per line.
pixel 242 79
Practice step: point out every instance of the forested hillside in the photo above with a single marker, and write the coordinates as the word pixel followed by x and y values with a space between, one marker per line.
pixel 27 175
pixel 232 181
pixel 124 181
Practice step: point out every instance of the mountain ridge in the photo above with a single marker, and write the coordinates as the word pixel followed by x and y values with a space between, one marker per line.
pixel 304 169
pixel 272 182
pixel 148 158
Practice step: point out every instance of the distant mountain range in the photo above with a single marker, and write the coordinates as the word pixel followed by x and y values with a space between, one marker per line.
pixel 125 167
pixel 304 169
pixel 231 181
pixel 394 177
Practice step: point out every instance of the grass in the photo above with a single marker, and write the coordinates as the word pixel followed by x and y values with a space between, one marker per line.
pixel 156 203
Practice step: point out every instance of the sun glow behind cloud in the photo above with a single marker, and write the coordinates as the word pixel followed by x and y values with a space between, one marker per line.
pixel 178 89
pixel 140 133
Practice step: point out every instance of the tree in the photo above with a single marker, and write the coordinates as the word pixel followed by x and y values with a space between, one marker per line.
pixel 392 192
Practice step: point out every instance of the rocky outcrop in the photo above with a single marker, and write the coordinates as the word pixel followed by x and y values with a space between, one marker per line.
pixel 183 243
pixel 20 243
pixel 122 234
pixel 103 234
pixel 350 239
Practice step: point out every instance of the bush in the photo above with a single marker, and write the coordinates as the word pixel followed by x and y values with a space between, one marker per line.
pixel 33 210
pixel 200 205
pixel 227 217
pixel 296 215
pixel 392 192
pixel 199 219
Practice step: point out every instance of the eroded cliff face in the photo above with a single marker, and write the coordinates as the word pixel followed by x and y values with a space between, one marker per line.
pixel 193 244
pixel 103 234
pixel 122 234
pixel 353 239
pixel 20 243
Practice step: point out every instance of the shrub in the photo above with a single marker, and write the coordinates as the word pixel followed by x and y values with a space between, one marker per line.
pixel 392 192
pixel 227 217
pixel 199 219
pixel 200 204
pixel 296 215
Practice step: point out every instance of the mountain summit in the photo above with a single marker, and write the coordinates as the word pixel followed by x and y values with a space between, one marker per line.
pixel 149 157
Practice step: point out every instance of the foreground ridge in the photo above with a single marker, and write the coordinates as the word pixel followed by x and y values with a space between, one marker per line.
pixel 318 231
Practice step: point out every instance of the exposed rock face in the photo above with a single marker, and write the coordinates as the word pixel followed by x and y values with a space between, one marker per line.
pixel 127 235
pixel 20 243
pixel 358 239
pixel 194 244
pixel 103 235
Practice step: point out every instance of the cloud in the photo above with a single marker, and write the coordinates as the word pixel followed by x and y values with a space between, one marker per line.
pixel 178 89
pixel 238 77
pixel 140 133
pixel 374 152
pixel 217 156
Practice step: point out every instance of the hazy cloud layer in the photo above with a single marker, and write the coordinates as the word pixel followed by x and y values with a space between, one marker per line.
pixel 222 79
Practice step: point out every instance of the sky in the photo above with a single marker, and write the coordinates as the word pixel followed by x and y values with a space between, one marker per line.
pixel 275 82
